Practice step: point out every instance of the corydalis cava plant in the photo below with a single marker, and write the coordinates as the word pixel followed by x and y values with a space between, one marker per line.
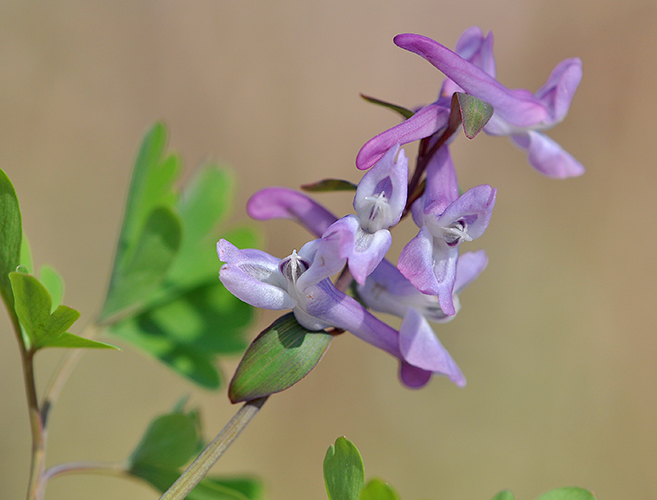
pixel 425 284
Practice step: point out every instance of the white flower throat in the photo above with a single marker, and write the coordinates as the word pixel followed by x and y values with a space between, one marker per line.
pixel 374 213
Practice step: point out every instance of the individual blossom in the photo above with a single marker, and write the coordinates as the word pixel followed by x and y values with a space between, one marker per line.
pixel 387 290
pixel 446 220
pixel 518 113
pixel 299 282
pixel 379 202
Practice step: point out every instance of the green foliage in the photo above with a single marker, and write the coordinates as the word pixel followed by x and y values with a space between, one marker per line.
pixel 278 358
pixel 171 441
pixel 54 283
pixel 42 327
pixel 474 113
pixel 344 474
pixel 330 185
pixel 569 493
pixel 165 297
pixel 10 238
pixel 405 113
pixel 504 495
pixel 376 489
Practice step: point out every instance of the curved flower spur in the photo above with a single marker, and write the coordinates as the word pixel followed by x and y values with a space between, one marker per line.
pixel 518 113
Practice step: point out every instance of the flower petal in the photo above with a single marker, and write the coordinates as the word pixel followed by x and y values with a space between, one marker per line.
pixel 547 156
pixel 475 207
pixel 416 262
pixel 284 203
pixel 412 376
pixel 469 266
pixel 422 124
pixel 253 277
pixel 421 348
pixel 518 107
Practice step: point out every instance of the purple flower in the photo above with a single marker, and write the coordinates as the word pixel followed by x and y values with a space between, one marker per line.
pixel 299 282
pixel 429 260
pixel 517 113
pixel 379 203
pixel 387 290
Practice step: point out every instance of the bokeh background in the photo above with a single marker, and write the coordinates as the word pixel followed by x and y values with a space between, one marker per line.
pixel 557 337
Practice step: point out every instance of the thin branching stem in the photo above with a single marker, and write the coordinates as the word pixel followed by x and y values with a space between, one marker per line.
pixel 213 451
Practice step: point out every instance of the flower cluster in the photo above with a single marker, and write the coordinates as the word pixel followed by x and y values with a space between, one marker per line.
pixel 430 273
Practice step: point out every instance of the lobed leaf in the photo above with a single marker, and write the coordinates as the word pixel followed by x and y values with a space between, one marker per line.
pixel 53 283
pixel 344 474
pixel 376 489
pixel 504 495
pixel 154 251
pixel 10 238
pixel 278 358
pixel 169 442
pixel 569 493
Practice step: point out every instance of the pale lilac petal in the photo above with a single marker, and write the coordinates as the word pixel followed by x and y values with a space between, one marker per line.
pixel 327 255
pixel 416 262
pixel 518 107
pixel 477 49
pixel 327 303
pixel 445 258
pixel 284 203
pixel 557 93
pixel 442 185
pixel 253 277
pixel 412 376
pixel 474 207
pixel 390 177
pixel 424 123
pixel 547 156
pixel 368 252
pixel 469 266
pixel 420 347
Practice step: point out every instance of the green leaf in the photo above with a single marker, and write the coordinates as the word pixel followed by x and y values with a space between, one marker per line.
pixel 10 238
pixel 33 306
pixel 53 283
pixel 570 493
pixel 376 489
pixel 475 113
pixel 26 255
pixel 278 358
pixel 330 185
pixel 344 474
pixel 151 192
pixel 68 340
pixel 170 442
pixel 203 205
pixel 406 113
pixel 504 495
pixel 135 280
pixel 188 333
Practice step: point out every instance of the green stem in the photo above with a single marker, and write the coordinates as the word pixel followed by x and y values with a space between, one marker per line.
pixel 213 451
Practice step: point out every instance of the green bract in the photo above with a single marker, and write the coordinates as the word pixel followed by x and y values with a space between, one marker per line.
pixel 278 358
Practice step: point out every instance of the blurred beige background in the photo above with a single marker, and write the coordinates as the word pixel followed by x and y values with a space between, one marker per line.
pixel 557 338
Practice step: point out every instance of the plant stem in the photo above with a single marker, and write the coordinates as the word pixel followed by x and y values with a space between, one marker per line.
pixel 213 451
pixel 60 377
pixel 118 469
pixel 36 425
